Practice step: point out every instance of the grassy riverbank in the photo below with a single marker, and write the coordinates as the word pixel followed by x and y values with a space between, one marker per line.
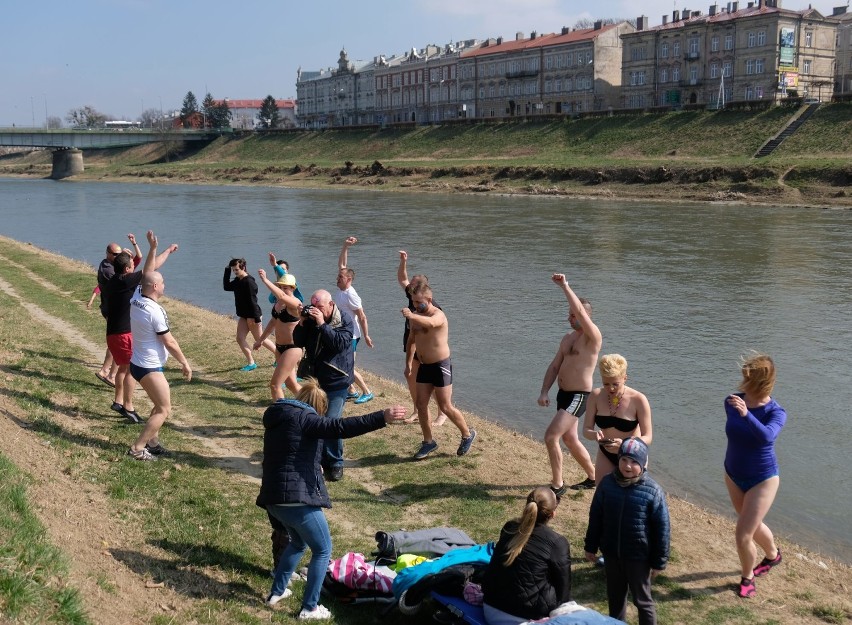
pixel 688 155
pixel 180 541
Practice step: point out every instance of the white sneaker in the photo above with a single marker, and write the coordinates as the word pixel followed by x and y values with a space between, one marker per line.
pixel 320 612
pixel 271 600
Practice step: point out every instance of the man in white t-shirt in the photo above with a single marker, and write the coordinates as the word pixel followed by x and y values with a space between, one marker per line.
pixel 152 344
pixel 348 299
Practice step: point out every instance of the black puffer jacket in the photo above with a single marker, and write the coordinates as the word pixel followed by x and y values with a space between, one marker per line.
pixel 537 581
pixel 292 450
pixel 630 523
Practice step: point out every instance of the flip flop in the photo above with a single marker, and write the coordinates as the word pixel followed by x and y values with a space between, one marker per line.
pixel 105 380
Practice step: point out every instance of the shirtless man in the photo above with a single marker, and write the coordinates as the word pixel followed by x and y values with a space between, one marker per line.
pixel 430 330
pixel 574 367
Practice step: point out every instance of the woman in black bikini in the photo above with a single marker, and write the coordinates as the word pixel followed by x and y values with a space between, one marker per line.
pixel 618 411
pixel 285 316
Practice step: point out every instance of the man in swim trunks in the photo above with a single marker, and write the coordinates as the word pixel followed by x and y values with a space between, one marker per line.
pixel 430 330
pixel 152 344
pixel 574 367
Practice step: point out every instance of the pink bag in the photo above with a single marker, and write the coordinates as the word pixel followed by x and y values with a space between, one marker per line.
pixel 352 571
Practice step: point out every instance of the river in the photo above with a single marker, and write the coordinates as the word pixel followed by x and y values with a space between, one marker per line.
pixel 680 290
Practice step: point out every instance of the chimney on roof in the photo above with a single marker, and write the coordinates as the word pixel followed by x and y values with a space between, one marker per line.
pixel 641 23
pixel 519 35
pixel 750 4
pixel 566 30
pixel 713 9
pixel 735 6
pixel 499 40
pixel 665 19
pixel 533 34
pixel 675 16
pixel 839 11
pixel 684 15
pixel 598 24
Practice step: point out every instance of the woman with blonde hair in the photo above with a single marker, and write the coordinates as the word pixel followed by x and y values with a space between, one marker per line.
pixel 754 421
pixel 614 413
pixel 530 572
pixel 293 490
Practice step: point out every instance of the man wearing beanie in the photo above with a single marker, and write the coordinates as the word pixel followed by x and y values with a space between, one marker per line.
pixel 629 523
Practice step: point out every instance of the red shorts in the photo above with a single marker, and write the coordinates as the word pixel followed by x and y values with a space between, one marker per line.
pixel 121 348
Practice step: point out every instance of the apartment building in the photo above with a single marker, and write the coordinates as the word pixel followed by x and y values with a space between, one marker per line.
pixel 421 86
pixel 244 112
pixel 733 53
pixel 342 96
pixel 842 18
pixel 566 72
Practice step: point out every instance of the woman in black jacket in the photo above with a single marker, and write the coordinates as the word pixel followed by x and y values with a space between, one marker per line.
pixel 530 572
pixel 293 489
pixel 250 318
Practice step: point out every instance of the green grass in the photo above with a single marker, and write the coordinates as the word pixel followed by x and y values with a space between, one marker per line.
pixel 33 573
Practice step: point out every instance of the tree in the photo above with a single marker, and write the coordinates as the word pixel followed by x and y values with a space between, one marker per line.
pixel 85 117
pixel 188 110
pixel 53 123
pixel 585 23
pixel 268 116
pixel 150 118
pixel 216 114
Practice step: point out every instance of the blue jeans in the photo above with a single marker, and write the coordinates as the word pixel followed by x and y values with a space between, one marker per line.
pixel 307 528
pixel 332 456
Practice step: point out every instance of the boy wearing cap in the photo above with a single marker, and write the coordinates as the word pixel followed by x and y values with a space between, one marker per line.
pixel 629 523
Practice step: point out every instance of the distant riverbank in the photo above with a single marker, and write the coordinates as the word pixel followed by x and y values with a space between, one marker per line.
pixel 696 156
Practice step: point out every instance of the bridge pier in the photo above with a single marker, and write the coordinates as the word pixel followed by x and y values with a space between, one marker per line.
pixel 67 162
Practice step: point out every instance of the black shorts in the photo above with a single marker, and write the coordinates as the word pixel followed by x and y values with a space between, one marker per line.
pixel 438 374
pixel 572 402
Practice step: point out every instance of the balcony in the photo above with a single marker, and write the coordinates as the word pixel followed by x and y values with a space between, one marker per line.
pixel 691 56
pixel 524 73
pixel 691 82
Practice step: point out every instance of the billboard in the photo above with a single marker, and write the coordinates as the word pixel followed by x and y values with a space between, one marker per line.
pixel 788 78
pixel 787 45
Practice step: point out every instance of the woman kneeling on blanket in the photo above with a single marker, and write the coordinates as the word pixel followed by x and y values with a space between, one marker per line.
pixel 293 490
pixel 530 571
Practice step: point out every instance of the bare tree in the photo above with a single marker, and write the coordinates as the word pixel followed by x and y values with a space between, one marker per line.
pixel 53 123
pixel 149 118
pixel 85 117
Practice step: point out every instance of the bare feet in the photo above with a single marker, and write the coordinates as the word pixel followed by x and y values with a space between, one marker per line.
pixel 440 420
pixel 412 419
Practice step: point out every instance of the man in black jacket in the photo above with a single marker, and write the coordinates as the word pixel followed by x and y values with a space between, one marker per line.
pixel 325 331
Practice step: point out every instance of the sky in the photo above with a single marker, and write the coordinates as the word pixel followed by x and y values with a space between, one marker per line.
pixel 124 56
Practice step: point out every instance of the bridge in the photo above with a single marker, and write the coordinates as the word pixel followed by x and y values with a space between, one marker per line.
pixel 68 144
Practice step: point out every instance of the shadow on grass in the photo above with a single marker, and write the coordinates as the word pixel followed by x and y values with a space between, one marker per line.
pixel 186 580
pixel 197 554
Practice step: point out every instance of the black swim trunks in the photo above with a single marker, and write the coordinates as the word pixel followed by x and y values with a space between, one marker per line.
pixel 283 348
pixel 438 374
pixel 572 402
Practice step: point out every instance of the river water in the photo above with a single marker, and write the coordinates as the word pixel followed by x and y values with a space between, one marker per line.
pixel 680 290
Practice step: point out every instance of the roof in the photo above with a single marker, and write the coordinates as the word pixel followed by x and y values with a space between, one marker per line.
pixel 721 18
pixel 550 39
pixel 256 104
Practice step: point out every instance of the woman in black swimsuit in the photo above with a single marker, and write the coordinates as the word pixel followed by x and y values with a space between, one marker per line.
pixel 618 411
pixel 285 316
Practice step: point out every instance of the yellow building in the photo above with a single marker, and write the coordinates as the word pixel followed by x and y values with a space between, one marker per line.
pixel 732 54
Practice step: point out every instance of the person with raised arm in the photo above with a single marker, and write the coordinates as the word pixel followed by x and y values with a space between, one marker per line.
pixel 249 316
pixel 573 367
pixel 285 315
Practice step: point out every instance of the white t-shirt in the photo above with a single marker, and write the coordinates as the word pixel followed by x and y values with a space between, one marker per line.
pixel 350 301
pixel 148 321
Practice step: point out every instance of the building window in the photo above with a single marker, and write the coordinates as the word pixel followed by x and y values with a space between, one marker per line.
pixel 752 40
pixel 729 41
pixel 569 84
pixel 482 92
pixel 491 91
pixel 502 90
pixel 761 38
pixel 676 48
pixel 664 50
pixel 760 66
pixel 676 73
pixel 758 91
pixel 749 93
pixel 548 63
pixel 726 69
pixel 547 86
pixel 558 86
pixel 750 66
pixel 809 37
pixel 714 70
pixel 714 43
pixel 664 75
pixel 693 75
pixel 807 66
pixel 693 45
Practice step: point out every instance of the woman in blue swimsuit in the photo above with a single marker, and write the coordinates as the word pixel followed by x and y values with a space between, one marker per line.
pixel 751 468
pixel 615 412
